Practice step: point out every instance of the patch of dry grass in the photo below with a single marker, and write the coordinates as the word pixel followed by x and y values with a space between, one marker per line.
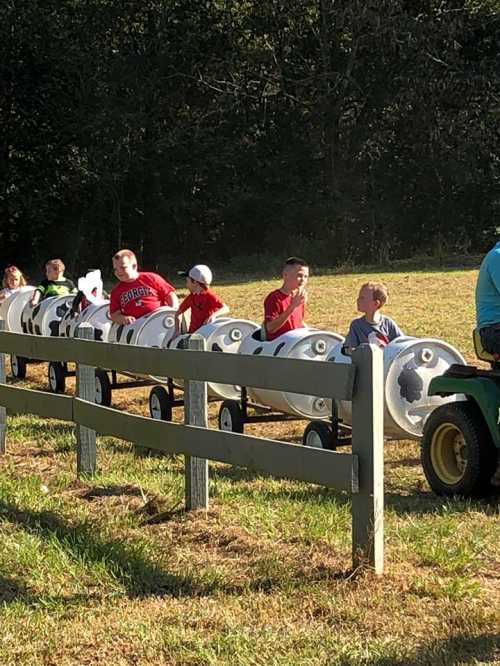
pixel 113 571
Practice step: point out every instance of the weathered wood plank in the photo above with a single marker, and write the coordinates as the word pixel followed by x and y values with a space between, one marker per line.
pixel 26 401
pixel 85 389
pixel 37 346
pixel 196 414
pixel 294 461
pixel 3 411
pixel 368 445
pixel 323 379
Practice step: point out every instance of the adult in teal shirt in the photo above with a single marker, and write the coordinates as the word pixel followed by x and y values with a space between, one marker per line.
pixel 488 301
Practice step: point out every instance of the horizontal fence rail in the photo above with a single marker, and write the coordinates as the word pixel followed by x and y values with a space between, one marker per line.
pixel 327 380
pixel 27 401
pixel 281 459
pixel 359 473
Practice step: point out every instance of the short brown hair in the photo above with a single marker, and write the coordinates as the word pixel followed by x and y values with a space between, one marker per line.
pixel 379 291
pixel 125 253
pixel 56 264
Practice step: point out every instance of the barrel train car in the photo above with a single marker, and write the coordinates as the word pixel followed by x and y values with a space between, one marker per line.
pixel 409 365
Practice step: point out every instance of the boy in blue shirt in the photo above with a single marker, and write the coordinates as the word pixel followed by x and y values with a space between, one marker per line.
pixel 488 301
pixel 373 327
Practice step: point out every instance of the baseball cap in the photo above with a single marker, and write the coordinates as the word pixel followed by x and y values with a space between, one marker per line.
pixel 199 273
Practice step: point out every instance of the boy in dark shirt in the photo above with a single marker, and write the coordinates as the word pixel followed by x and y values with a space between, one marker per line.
pixel 204 304
pixel 55 283
pixel 373 327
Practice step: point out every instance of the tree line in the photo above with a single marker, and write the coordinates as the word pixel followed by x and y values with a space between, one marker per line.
pixel 219 130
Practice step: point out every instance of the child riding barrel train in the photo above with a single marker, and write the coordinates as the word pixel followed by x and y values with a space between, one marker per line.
pixel 427 385
pixel 139 293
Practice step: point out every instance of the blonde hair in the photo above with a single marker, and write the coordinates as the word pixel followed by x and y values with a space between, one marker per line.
pixel 379 291
pixel 13 270
pixel 125 253
pixel 56 264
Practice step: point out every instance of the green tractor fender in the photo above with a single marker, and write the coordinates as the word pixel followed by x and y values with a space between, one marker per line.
pixel 481 390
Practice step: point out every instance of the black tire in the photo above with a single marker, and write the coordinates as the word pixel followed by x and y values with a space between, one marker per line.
pixel 56 376
pixel 319 434
pixel 18 366
pixel 102 388
pixel 160 404
pixel 458 455
pixel 231 416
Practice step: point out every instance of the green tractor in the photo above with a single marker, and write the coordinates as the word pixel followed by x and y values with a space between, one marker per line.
pixel 461 440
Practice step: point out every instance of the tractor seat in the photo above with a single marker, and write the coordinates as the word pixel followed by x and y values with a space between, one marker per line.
pixel 480 351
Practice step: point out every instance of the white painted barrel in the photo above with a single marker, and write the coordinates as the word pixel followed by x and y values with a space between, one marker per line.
pixel 155 329
pixel 45 317
pixel 223 335
pixel 409 365
pixel 68 324
pixel 301 343
pixel 96 314
pixel 147 331
pixel 13 306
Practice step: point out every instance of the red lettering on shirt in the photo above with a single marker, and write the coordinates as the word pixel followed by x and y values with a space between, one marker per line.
pixel 145 294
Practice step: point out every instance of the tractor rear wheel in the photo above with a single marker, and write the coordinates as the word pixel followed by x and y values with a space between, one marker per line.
pixel 458 455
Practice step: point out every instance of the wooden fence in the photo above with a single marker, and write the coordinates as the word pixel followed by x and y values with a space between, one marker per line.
pixel 359 473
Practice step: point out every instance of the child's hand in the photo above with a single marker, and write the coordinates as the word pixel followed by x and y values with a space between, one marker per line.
pixel 299 297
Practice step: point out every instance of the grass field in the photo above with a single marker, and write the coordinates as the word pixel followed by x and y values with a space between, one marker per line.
pixel 112 571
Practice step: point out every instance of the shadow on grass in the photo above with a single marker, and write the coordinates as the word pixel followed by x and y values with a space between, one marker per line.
pixel 416 503
pixel 126 563
pixel 423 503
pixel 111 491
pixel 139 577
pixel 452 651
pixel 12 590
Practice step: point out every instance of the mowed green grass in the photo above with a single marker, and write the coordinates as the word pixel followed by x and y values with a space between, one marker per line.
pixel 112 571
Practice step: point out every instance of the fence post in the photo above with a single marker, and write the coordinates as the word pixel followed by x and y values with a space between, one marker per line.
pixel 85 389
pixel 3 411
pixel 196 413
pixel 368 445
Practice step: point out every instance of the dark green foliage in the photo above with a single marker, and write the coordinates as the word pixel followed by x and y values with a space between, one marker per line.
pixel 203 130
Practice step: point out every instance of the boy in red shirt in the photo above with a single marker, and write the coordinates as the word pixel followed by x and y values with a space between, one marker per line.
pixel 137 293
pixel 284 307
pixel 205 306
